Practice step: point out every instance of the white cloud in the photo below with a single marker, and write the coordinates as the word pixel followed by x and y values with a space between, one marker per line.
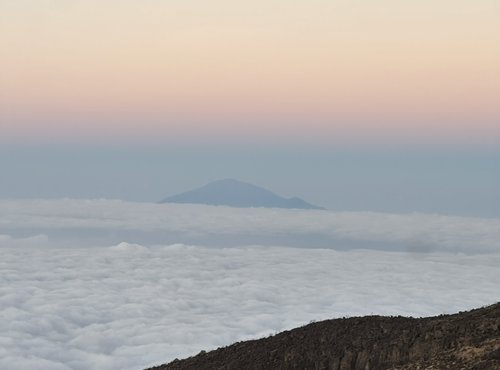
pixel 166 223
pixel 66 304
pixel 129 306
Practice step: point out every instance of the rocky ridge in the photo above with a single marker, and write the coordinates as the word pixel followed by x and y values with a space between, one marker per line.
pixel 467 340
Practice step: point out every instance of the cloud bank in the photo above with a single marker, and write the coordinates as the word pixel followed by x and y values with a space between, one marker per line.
pixel 131 306
pixel 74 296
pixel 111 221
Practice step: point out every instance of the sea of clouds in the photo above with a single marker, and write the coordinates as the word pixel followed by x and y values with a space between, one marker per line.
pixel 106 222
pixel 72 298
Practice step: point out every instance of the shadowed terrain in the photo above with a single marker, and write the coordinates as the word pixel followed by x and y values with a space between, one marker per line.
pixel 467 340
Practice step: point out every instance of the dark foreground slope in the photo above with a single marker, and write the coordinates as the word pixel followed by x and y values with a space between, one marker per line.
pixel 467 340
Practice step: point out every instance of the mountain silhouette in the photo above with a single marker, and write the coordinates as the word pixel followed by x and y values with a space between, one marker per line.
pixel 234 193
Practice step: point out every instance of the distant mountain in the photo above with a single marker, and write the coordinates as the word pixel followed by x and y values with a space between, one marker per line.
pixel 234 193
pixel 467 340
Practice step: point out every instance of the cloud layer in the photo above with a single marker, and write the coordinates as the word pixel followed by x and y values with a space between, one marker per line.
pixel 104 222
pixel 70 301
pixel 130 306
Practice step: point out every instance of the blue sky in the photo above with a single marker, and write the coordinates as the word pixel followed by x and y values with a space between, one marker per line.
pixel 448 181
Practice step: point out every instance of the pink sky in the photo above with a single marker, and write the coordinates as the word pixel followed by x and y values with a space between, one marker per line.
pixel 315 70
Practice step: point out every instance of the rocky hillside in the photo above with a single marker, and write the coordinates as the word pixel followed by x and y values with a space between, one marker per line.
pixel 467 340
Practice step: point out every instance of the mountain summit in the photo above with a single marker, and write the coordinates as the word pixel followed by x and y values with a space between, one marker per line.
pixel 234 193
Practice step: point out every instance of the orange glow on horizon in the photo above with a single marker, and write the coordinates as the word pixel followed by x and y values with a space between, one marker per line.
pixel 331 67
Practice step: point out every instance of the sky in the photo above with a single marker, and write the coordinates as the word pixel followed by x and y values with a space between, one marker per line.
pixel 386 112
pixel 450 182
pixel 387 105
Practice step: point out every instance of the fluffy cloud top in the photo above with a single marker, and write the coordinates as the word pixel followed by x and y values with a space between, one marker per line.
pixel 67 304
pixel 130 306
